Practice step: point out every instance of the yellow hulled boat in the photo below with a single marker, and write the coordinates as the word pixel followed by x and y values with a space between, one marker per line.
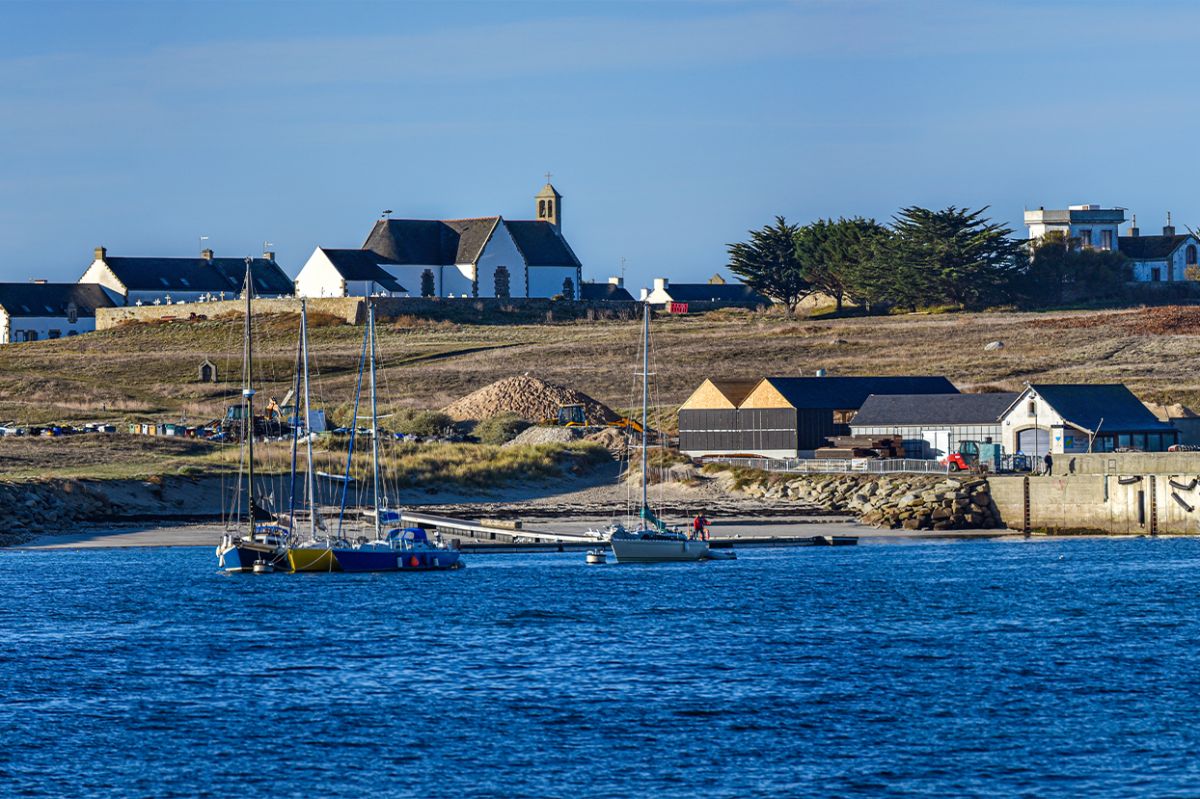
pixel 304 559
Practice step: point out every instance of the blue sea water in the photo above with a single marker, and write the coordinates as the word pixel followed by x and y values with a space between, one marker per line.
pixel 1052 668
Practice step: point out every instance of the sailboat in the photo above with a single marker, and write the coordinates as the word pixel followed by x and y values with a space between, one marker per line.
pixel 651 541
pixel 261 548
pixel 397 549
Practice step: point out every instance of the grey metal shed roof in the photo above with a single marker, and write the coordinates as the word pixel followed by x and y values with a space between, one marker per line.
pixel 899 410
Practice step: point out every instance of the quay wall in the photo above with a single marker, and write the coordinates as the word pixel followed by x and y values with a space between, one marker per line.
pixel 1130 504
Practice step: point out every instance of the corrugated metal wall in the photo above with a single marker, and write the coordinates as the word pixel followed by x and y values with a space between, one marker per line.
pixel 754 430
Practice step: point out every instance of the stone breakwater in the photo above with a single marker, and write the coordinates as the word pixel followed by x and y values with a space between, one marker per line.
pixel 901 501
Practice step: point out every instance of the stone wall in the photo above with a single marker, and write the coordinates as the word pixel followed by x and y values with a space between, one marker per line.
pixel 908 501
pixel 517 310
pixel 1128 463
pixel 1126 504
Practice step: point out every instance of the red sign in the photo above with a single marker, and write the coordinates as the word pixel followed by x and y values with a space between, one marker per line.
pixel 677 307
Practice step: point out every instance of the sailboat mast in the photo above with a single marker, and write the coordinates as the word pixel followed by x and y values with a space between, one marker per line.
pixel 248 409
pixel 374 418
pixel 645 395
pixel 312 487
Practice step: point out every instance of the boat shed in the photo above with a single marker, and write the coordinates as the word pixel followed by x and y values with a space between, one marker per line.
pixel 783 417
pixel 1077 418
pixel 933 426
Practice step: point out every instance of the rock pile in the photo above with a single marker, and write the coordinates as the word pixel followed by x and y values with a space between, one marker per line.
pixel 908 501
pixel 545 435
pixel 32 508
pixel 529 398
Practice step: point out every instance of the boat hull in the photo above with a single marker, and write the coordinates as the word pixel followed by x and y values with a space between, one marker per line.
pixel 365 560
pixel 313 560
pixel 242 557
pixel 653 550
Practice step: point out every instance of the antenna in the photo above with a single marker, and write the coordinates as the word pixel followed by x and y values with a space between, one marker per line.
pixel 201 242
pixel 622 269
pixel 386 214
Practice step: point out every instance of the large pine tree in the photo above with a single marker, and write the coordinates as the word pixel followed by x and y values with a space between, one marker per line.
pixel 769 264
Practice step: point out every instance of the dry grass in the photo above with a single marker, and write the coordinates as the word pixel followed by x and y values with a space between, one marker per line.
pixel 149 372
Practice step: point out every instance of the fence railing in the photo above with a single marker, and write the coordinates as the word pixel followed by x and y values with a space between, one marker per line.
pixel 836 465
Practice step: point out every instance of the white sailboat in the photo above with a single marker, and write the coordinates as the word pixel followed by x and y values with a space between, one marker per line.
pixel 652 541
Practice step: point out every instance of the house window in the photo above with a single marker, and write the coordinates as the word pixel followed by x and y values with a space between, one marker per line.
pixel 31 335
pixel 72 313
pixel 1155 274
pixel 1189 255
pixel 1085 238
pixel 1032 408
pixel 55 334
pixel 1106 239
pixel 71 333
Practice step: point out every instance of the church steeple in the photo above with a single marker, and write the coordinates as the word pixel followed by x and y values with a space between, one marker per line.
pixel 548 203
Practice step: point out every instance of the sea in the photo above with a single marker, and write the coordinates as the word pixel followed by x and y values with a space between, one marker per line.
pixel 1038 668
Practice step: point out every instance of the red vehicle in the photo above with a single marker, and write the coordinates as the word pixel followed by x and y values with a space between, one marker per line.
pixel 965 459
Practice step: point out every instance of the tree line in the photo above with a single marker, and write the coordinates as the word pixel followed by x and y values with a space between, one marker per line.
pixel 924 258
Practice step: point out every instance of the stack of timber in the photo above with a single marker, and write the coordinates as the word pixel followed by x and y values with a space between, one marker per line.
pixel 847 447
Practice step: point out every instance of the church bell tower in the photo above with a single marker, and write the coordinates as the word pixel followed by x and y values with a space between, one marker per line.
pixel 549 205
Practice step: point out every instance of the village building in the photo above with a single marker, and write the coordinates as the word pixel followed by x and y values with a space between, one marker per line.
pixel 481 257
pixel 715 293
pixel 163 281
pixel 38 311
pixel 933 426
pixel 1153 259
pixel 612 291
pixel 346 273
pixel 1065 419
pixel 783 417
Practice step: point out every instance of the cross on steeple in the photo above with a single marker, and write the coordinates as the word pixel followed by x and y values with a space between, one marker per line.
pixel 548 176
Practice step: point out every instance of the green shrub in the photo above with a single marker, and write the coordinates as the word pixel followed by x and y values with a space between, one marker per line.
pixel 421 423
pixel 500 429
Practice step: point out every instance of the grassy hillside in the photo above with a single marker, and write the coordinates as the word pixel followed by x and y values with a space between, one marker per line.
pixel 149 371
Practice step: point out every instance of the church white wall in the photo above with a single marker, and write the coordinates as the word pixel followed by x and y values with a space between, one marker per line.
pixel 458 280
pixel 547 281
pixel 14 329
pixel 501 250
pixel 409 276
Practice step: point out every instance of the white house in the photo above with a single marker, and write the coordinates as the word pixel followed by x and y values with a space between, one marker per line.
pixel 1065 419
pixel 482 257
pixel 346 273
pixel 40 310
pixel 715 292
pixel 933 426
pixel 154 280
pixel 1153 259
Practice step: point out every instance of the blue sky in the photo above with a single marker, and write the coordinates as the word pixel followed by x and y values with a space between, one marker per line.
pixel 671 128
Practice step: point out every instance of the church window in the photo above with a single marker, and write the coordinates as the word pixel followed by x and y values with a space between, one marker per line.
pixel 549 208
pixel 427 287
pixel 569 288
pixel 1190 255
pixel 541 209
pixel 502 282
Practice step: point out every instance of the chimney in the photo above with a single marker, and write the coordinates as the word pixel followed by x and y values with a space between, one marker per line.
pixel 1168 229
pixel 617 281
pixel 1133 228
pixel 101 253
pixel 661 283
pixel 268 255
pixel 206 255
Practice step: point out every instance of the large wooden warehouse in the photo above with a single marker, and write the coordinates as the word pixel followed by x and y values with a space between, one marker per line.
pixel 783 417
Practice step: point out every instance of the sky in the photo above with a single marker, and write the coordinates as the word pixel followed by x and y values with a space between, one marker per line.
pixel 670 128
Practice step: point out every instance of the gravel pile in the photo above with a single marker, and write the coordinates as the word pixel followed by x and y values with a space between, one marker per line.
pixel 546 435
pixel 529 398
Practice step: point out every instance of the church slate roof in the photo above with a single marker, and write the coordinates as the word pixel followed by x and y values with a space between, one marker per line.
pixel 362 265
pixel 52 299
pixel 434 242
pixel 199 274
pixel 1148 248
pixel 541 244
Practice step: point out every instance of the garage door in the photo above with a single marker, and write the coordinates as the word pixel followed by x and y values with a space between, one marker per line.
pixel 1033 442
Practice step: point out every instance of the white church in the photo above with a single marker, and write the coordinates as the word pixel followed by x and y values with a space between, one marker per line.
pixel 483 257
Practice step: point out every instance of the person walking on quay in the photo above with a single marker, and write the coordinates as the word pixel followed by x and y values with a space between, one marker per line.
pixel 700 527
pixel 1049 462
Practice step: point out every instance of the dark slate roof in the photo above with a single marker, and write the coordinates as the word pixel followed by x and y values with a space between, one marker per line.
pixel 431 242
pixel 1149 247
pixel 896 410
pixel 714 292
pixel 541 244
pixel 1084 406
pixel 604 291
pixel 362 265
pixel 52 299
pixel 848 393
pixel 198 274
